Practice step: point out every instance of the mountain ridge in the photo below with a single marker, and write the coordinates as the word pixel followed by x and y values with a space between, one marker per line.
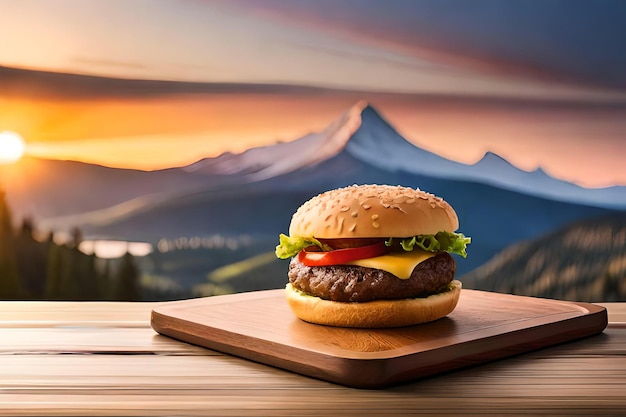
pixel 360 131
pixel 364 133
pixel 492 168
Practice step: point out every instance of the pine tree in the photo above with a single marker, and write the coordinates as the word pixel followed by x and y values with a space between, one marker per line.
pixel 70 268
pixel 71 273
pixel 105 279
pixel 10 284
pixel 54 270
pixel 31 259
pixel 89 278
pixel 127 285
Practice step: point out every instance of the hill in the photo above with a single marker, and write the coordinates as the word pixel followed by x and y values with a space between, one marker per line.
pixel 583 261
pixel 51 189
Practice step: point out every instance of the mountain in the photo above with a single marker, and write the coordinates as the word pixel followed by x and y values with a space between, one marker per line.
pixel 493 216
pixel 582 261
pixel 255 193
pixel 377 143
pixel 360 132
pixel 365 135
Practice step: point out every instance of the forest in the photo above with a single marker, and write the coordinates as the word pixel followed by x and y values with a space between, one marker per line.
pixel 34 266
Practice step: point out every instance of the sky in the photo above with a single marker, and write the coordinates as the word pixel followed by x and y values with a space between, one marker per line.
pixel 541 83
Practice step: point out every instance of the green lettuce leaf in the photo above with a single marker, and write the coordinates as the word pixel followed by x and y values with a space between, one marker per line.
pixel 440 242
pixel 290 246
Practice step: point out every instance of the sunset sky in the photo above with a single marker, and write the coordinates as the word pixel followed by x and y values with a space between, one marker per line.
pixel 152 84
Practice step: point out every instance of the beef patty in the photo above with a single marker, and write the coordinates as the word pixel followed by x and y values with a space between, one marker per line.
pixel 359 284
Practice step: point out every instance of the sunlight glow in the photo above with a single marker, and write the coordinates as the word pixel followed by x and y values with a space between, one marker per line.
pixel 11 147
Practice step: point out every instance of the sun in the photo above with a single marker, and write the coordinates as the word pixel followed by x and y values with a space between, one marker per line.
pixel 11 147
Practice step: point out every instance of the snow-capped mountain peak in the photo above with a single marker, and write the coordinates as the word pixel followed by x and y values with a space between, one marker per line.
pixel 281 158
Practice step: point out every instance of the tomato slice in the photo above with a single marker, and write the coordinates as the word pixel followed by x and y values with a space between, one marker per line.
pixel 342 256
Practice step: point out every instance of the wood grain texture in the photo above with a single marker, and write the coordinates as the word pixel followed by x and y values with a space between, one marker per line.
pixel 51 313
pixel 118 366
pixel 484 326
pixel 617 313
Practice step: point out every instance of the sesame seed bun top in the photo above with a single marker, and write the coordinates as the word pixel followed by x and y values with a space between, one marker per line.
pixel 364 211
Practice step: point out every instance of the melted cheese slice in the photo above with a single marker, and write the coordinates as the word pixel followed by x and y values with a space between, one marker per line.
pixel 400 264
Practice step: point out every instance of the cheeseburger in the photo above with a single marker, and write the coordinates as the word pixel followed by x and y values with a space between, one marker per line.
pixel 372 256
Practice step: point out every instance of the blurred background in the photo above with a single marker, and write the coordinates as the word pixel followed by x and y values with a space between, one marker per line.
pixel 154 150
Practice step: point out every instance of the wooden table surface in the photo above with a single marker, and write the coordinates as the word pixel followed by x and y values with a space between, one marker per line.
pixel 101 358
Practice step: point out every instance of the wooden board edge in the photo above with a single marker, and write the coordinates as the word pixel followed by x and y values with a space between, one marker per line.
pixel 383 373
pixel 499 347
pixel 310 363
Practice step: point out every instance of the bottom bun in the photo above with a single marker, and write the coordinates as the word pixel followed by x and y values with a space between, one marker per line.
pixel 371 314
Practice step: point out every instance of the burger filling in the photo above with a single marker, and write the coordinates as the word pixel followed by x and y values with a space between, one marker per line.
pixel 359 270
pixel 352 283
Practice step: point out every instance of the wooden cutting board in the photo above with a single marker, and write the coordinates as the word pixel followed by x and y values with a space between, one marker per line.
pixel 484 326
